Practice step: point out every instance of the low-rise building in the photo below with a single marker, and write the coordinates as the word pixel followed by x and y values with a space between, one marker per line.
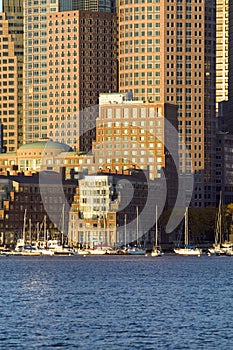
pixel 114 210
pixel 42 196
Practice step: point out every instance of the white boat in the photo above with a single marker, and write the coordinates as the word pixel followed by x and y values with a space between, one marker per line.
pixel 136 251
pixel 54 247
pixel 187 250
pixel 82 252
pixel 57 247
pixel 229 252
pixel 96 251
pixel 47 252
pixel 31 251
pixel 156 251
pixel 22 247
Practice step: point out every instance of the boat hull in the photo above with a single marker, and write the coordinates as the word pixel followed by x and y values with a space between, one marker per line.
pixel 157 253
pixel 188 252
pixel 136 252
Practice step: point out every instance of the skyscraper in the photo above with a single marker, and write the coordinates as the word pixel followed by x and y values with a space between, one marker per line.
pixel 82 62
pixel 167 54
pixel 35 105
pixel 13 10
pixel 8 89
pixel 94 42
pixel 222 22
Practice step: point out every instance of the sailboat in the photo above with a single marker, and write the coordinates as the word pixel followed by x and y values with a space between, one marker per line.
pixel 156 251
pixel 22 248
pixel 136 250
pixel 56 246
pixel 187 250
pixel 20 244
pixel 219 248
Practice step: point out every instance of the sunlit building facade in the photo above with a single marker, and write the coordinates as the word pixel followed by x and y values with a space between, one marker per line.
pixel 131 134
pixel 13 10
pixel 9 116
pixel 82 62
pixel 35 80
pixel 167 54
pixel 222 22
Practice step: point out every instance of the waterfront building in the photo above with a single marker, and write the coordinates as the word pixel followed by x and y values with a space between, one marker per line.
pixel 224 161
pixel 9 97
pixel 167 55
pixel 40 196
pixel 104 210
pixel 132 133
pixel 91 220
pixel 46 155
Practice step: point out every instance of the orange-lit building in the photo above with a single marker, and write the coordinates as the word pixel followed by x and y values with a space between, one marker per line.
pixel 9 103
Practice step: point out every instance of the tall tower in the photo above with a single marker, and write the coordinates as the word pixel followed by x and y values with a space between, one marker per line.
pixel 13 10
pixel 82 62
pixel 35 106
pixel 8 89
pixel 222 22
pixel 167 54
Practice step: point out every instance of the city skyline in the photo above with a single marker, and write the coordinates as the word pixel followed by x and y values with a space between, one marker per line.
pixel 64 56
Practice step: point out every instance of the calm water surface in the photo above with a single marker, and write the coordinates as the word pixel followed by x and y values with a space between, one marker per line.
pixel 116 303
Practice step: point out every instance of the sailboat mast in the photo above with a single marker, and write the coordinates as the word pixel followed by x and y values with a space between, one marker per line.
pixel 63 224
pixel 24 224
pixel 45 238
pixel 186 238
pixel 156 225
pixel 125 229
pixel 30 231
pixel 38 232
pixel 220 218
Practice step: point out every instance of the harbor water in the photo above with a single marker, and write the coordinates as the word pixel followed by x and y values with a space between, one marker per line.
pixel 116 302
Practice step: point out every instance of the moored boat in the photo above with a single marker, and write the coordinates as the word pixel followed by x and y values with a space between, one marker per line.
pixel 188 250
pixel 96 251
pixel 219 247
pixel 136 251
pixel 156 251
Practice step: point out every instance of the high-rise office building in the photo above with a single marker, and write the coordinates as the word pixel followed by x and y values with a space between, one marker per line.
pixel 221 50
pixel 35 80
pixel 13 10
pixel 167 54
pixel 8 89
pixel 94 62
pixel 82 62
